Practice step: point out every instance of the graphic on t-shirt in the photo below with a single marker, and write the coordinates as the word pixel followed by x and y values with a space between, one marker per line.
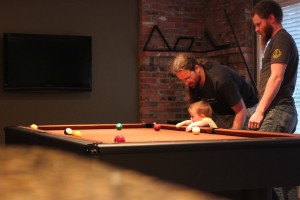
pixel 208 100
pixel 277 53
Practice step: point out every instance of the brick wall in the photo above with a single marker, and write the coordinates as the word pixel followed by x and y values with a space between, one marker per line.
pixel 199 27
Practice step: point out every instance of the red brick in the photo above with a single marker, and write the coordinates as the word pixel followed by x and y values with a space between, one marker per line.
pixel 160 91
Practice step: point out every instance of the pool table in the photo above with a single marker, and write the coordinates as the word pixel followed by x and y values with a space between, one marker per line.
pixel 215 160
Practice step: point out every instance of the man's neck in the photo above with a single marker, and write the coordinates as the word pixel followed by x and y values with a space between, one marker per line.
pixel 202 75
pixel 277 28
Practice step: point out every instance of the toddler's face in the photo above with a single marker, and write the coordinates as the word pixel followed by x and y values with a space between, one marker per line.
pixel 194 115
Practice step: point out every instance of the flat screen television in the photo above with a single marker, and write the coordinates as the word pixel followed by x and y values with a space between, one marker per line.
pixel 40 62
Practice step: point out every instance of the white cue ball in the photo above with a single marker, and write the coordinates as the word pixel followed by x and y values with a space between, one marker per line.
pixel 68 131
pixel 196 130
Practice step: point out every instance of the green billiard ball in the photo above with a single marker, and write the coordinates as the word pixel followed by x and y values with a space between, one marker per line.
pixel 119 126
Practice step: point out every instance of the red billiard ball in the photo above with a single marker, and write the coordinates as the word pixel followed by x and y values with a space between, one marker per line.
pixel 119 138
pixel 156 126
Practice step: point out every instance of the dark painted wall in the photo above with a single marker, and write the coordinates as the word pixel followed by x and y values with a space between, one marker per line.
pixel 113 26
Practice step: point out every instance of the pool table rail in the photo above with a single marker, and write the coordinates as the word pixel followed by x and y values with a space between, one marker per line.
pixel 263 160
pixel 220 131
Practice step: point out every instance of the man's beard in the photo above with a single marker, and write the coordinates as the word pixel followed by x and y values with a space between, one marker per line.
pixel 267 36
pixel 197 83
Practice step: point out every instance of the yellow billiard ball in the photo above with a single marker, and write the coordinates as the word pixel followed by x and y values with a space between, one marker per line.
pixel 77 133
pixel 34 126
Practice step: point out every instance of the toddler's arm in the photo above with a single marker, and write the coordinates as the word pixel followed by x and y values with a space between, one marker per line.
pixel 184 123
pixel 198 123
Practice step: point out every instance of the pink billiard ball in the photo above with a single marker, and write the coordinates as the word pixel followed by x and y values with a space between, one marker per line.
pixel 156 126
pixel 119 138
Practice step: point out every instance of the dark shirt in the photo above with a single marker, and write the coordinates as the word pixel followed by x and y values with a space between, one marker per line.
pixel 281 49
pixel 224 88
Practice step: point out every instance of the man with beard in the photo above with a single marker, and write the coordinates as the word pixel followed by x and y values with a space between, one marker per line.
pixel 276 111
pixel 228 94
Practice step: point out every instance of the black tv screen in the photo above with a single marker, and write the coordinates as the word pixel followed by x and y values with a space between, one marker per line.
pixel 40 62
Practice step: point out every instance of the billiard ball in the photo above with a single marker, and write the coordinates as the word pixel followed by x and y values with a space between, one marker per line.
pixel 156 126
pixel 119 138
pixel 68 131
pixel 119 126
pixel 34 126
pixel 196 130
pixel 77 133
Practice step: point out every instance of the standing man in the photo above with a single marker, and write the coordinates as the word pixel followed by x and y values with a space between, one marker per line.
pixel 276 110
pixel 228 93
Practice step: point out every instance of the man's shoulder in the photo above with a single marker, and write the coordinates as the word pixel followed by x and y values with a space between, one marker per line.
pixel 221 72
pixel 217 68
pixel 283 37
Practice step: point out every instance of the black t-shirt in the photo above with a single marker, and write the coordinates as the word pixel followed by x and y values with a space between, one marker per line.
pixel 281 49
pixel 224 88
